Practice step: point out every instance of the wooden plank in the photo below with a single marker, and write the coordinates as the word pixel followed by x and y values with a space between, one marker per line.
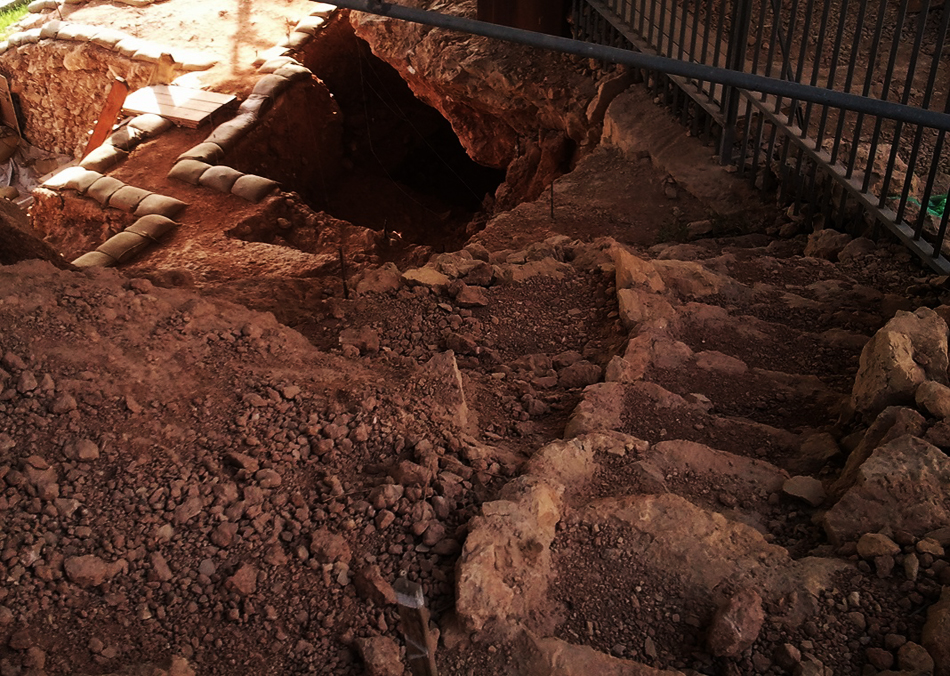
pixel 182 105
pixel 158 99
pixel 187 93
pixel 109 115
pixel 7 111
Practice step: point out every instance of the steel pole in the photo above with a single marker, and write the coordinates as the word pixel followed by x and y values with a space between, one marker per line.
pixel 698 71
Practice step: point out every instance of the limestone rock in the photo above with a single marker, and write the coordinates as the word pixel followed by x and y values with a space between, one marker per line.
pixel 447 389
pixel 372 586
pixel 826 244
pixel 909 349
pixel 690 279
pixel 892 423
pixel 471 296
pixel 806 488
pixel 936 634
pixel 599 410
pixel 901 486
pixel 244 580
pixel 327 547
pixel 504 568
pixel 633 272
pixel 872 545
pixel 934 398
pixel 427 276
pixel 736 624
pixel 579 374
pixel 379 280
pixel 365 339
pixel 91 571
pixel 380 655
pixel 554 657
pixel 638 307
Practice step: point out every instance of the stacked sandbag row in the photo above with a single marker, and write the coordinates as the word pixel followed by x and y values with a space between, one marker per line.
pixel 124 44
pixel 38 6
pixel 118 146
pixel 200 165
pixel 155 213
pixel 298 38
pixel 124 246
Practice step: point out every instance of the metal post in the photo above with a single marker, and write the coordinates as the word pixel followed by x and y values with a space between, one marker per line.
pixel 735 60
pixel 420 646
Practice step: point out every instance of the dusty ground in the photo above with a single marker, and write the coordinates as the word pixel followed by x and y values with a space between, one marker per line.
pixel 229 464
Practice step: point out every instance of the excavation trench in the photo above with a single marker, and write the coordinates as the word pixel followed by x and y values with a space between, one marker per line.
pixel 363 165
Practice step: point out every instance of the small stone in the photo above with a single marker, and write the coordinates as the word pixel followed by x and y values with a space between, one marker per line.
pixel 915 658
pixel 64 403
pixel 880 658
pixel 160 567
pixel 26 382
pixel 244 581
pixel 371 585
pixel 911 567
pixel 884 566
pixel 89 570
pixel 787 657
pixel 930 546
pixel 805 488
pixel 381 656
pixel 87 450
pixel 327 547
pixel 736 624
pixel 872 545
pixel 268 478
pixel 471 296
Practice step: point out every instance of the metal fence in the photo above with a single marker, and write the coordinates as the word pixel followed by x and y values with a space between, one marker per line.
pixel 825 162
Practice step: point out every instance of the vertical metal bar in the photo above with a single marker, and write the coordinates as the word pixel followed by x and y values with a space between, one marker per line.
pixel 905 98
pixel 885 93
pixel 786 50
pixel 757 148
pixel 717 48
pixel 816 62
pixel 934 166
pixel 744 138
pixel 735 60
pixel 652 22
pixel 833 69
pixel 684 21
pixel 855 49
pixel 941 234
pixel 806 31
pixel 760 27
pixel 661 24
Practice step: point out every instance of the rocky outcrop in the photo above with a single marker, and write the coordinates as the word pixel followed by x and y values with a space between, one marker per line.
pixel 910 349
pixel 512 107
pixel 17 243
pixel 901 486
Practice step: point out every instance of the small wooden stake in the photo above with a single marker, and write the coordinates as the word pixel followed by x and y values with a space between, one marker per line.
pixel 420 644
pixel 108 116
pixel 346 288
pixel 552 199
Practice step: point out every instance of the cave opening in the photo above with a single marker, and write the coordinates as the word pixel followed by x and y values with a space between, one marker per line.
pixel 405 171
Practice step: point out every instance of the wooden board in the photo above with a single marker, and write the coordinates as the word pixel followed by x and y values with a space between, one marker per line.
pixel 7 111
pixel 182 105
pixel 108 116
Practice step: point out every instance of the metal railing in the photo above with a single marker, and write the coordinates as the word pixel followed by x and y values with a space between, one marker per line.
pixel 823 159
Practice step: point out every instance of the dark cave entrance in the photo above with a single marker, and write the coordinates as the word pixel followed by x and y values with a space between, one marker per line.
pixel 405 170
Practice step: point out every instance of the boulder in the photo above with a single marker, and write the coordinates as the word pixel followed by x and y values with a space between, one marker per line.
pixel 826 244
pixel 936 634
pixel 901 486
pixel 633 272
pixel 910 349
pixel 505 566
pixel 933 398
pixel 892 423
pixel 600 409
pixel 444 381
pixel 736 624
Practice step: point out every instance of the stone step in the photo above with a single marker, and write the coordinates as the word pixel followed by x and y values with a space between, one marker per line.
pixel 831 355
